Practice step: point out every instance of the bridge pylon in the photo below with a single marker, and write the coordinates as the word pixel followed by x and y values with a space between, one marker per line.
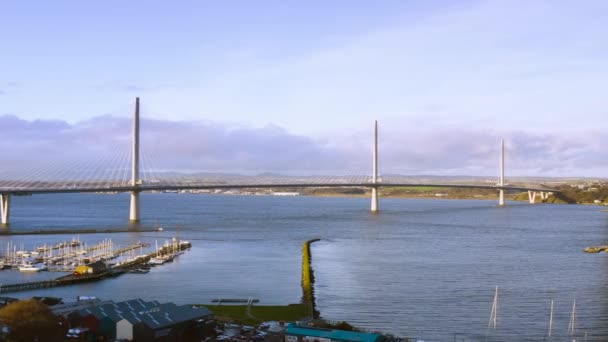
pixel 374 205
pixel 531 196
pixel 501 182
pixel 5 208
pixel 134 205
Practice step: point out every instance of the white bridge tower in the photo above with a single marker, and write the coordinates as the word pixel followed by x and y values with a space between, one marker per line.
pixel 5 207
pixel 135 181
pixel 374 207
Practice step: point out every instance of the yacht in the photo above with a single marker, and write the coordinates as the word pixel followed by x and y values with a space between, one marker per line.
pixel 30 268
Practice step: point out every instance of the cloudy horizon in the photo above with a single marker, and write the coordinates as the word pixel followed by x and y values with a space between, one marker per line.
pixel 216 147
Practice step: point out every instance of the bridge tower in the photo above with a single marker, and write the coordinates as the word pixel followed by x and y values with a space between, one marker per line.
pixel 5 207
pixel 531 196
pixel 135 181
pixel 374 206
pixel 501 182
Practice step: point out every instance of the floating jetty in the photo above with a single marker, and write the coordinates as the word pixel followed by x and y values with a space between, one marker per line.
pixel 61 281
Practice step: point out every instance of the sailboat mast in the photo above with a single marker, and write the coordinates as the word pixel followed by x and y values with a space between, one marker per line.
pixel 493 313
pixel 572 325
pixel 551 319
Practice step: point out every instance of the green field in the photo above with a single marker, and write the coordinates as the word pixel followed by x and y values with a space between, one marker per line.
pixel 416 189
pixel 260 313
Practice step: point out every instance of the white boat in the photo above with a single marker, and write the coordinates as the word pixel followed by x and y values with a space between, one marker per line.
pixel 30 268
pixel 156 261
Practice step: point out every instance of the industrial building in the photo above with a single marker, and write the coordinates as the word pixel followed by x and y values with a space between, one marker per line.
pixel 138 320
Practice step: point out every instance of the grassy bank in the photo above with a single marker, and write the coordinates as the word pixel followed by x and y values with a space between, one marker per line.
pixel 259 313
pixel 407 192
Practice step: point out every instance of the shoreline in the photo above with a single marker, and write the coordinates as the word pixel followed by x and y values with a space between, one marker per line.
pixel 75 231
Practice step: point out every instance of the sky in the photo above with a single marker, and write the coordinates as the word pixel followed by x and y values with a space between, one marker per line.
pixel 295 86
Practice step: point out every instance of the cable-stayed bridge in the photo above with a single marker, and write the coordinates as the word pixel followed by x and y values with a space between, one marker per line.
pixel 135 171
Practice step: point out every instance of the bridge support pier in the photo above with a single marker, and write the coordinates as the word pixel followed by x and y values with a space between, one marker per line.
pixel 531 196
pixel 5 208
pixel 501 182
pixel 134 208
pixel 374 206
pixel 544 195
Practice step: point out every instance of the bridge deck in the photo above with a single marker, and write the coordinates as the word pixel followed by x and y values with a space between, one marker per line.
pixel 158 187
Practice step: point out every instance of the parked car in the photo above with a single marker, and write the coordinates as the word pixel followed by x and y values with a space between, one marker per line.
pixel 77 333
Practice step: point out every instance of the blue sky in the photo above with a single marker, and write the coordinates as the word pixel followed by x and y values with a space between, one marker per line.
pixel 324 70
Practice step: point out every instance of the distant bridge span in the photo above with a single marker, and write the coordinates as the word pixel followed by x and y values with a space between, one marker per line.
pixel 135 186
pixel 144 188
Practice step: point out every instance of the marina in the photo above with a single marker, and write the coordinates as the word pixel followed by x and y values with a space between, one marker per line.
pixel 85 264
pixel 63 257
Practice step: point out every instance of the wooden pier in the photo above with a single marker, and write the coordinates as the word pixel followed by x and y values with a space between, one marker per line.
pixel 69 279
pixel 28 286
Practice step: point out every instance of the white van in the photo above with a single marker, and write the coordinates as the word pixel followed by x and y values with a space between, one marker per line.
pixel 77 332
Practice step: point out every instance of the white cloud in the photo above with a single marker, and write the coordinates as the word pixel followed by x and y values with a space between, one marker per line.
pixel 98 145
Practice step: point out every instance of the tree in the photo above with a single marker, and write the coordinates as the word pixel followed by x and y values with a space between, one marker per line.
pixel 30 320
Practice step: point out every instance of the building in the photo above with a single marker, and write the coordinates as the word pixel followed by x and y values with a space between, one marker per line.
pixel 298 333
pixel 65 309
pixel 92 268
pixel 138 320
pixel 284 193
pixel 124 328
pixel 174 324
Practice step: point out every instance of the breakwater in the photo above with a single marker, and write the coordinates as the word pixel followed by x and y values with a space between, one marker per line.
pixel 308 279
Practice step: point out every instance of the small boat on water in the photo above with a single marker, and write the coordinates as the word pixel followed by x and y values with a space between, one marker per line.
pixel 595 249
pixel 139 271
pixel 156 261
pixel 30 268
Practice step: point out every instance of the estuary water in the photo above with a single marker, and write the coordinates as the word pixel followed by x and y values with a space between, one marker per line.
pixel 421 267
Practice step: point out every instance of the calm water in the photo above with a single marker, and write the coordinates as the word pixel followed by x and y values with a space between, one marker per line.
pixel 421 268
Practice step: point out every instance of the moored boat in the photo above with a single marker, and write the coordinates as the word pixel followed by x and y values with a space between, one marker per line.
pixel 156 261
pixel 595 249
pixel 139 271
pixel 30 268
